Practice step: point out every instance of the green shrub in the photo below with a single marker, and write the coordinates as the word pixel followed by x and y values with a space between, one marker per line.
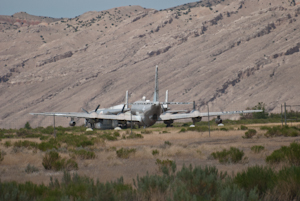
pixel 182 130
pixel 116 134
pixel 233 155
pixel 74 140
pixel 166 166
pixel 31 169
pixel 109 136
pixel 223 129
pixel 244 127
pixel 26 144
pixel 1 155
pixel 198 128
pixel 257 148
pixel 250 133
pixel 22 132
pixel 49 159
pixel 27 125
pixel 124 153
pixel 146 131
pixel 83 154
pixel 168 143
pixel 265 128
pixel 288 183
pixel 53 161
pixel 262 178
pixel 155 152
pixel 290 154
pixel 7 144
pixel 134 135
pixel 44 146
pixel 285 131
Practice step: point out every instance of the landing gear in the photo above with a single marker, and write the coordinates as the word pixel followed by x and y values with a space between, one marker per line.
pixel 169 123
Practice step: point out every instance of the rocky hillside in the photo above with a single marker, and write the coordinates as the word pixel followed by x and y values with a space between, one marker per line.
pixel 230 54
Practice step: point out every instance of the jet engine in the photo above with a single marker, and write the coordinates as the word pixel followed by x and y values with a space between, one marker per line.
pixel 72 123
pixel 218 120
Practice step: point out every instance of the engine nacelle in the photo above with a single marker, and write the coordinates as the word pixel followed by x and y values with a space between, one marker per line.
pixel 218 120
pixel 72 123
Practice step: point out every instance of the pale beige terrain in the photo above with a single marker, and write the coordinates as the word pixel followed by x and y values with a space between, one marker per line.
pixel 187 148
pixel 230 55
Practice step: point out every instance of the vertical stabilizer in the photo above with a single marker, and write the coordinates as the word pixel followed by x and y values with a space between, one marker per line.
pixel 155 97
pixel 167 94
pixel 165 106
pixel 126 100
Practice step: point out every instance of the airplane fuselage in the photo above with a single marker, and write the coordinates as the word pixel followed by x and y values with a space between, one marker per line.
pixel 149 112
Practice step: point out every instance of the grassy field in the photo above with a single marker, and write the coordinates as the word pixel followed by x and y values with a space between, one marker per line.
pixel 34 155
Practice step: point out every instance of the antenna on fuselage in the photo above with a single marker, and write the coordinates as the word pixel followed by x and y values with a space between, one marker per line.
pixel 155 97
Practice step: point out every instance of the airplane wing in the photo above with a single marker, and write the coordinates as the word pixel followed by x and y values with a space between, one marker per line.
pixel 169 116
pixel 93 115
pixel 195 114
pixel 228 113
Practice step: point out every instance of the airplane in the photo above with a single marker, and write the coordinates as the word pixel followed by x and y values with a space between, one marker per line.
pixel 143 112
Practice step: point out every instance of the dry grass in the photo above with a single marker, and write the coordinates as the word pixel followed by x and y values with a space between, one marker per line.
pixel 187 148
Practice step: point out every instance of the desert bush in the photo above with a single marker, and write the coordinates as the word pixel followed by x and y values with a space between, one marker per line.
pixel 250 133
pixel 145 131
pixel 84 154
pixel 26 144
pixel 134 135
pixel 223 129
pixel 290 154
pixel 22 132
pixel 233 155
pixel 168 143
pixel 124 153
pixel 166 166
pixel 262 178
pixel 285 131
pixel 53 161
pixel 182 130
pixel 108 136
pixel 165 132
pixel 198 128
pixel 1 155
pixel 74 140
pixel 27 125
pixel 155 152
pixel 257 148
pixel 44 146
pixel 31 168
pixel 116 134
pixel 265 128
pixel 244 127
pixel 288 183
pixel 7 144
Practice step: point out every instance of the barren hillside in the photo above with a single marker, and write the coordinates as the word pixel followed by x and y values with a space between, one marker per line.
pixel 230 54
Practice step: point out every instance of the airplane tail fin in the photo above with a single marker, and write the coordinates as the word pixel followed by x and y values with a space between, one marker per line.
pixel 155 97
pixel 165 106
pixel 126 100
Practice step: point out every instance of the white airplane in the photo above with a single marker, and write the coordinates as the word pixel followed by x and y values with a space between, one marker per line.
pixel 144 112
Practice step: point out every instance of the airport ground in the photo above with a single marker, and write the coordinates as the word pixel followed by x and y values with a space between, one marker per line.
pixel 190 147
